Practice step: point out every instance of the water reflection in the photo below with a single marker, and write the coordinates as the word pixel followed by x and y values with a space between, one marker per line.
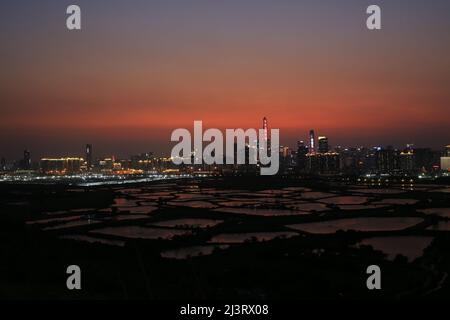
pixel 357 224
pixel 137 232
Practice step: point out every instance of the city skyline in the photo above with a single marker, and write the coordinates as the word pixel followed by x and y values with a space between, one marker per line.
pixel 80 151
pixel 308 138
pixel 314 145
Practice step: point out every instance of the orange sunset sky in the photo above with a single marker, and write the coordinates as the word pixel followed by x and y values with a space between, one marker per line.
pixel 139 69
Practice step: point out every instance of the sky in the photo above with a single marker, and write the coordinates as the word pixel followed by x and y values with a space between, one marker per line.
pixel 139 69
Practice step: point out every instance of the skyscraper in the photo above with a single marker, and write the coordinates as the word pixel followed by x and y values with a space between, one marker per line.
pixel 302 151
pixel 387 160
pixel 312 143
pixel 323 144
pixel 445 160
pixel 89 156
pixel 406 160
pixel 266 135
pixel 265 128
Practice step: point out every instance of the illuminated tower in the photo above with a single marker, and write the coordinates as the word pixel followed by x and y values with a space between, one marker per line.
pixel 265 128
pixel 266 138
pixel 312 143
pixel 266 134
pixel 89 156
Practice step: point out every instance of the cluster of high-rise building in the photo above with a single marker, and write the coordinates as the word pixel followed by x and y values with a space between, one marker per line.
pixel 142 163
pixel 316 156
pixel 359 160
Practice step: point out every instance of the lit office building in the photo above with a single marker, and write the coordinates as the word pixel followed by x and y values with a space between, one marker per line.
pixel 106 165
pixel 323 144
pixel 312 142
pixel 323 163
pixel 387 160
pixel 285 151
pixel 406 160
pixel 445 160
pixel 59 166
pixel 445 163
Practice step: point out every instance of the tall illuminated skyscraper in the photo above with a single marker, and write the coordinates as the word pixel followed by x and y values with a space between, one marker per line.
pixel 89 156
pixel 312 143
pixel 265 128
pixel 266 134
